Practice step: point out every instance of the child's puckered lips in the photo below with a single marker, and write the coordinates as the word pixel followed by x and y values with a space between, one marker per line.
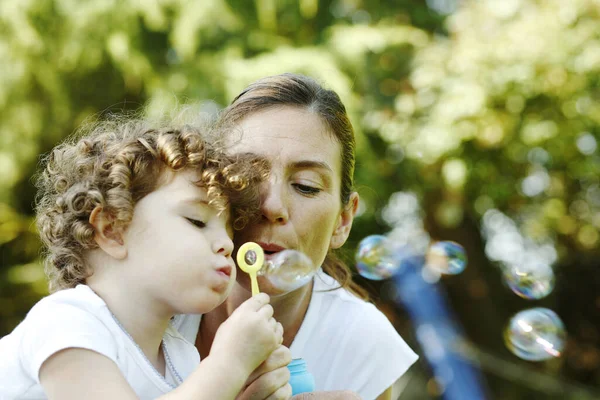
pixel 225 270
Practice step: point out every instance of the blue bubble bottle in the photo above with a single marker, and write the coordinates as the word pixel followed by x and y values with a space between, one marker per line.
pixel 301 380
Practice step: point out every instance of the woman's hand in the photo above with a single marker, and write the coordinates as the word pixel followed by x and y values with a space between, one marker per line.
pixel 333 395
pixel 270 379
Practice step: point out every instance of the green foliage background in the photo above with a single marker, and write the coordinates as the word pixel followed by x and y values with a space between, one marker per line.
pixel 490 109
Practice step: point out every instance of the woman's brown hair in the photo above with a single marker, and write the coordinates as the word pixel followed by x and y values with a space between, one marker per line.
pixel 301 91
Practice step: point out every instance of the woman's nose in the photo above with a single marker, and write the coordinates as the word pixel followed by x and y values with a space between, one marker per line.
pixel 273 205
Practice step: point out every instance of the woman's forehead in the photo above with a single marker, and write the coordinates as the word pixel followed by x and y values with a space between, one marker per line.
pixel 288 133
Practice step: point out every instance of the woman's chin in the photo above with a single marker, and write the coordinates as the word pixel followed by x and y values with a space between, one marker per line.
pixel 264 286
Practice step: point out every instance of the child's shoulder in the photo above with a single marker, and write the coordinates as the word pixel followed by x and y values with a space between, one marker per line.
pixel 70 318
pixel 81 297
pixel 78 309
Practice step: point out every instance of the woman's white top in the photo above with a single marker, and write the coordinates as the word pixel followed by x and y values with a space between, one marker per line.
pixel 78 318
pixel 347 343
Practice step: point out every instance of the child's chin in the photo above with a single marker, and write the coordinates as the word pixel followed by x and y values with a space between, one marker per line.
pixel 208 306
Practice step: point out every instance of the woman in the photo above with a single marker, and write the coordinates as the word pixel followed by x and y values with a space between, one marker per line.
pixel 308 205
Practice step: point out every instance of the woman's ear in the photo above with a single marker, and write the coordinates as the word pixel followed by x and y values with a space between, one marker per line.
pixel 107 235
pixel 344 223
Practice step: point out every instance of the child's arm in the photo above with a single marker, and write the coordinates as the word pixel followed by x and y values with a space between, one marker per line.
pixel 241 344
pixel 76 373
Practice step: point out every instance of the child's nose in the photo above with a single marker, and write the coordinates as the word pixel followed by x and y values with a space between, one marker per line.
pixel 223 245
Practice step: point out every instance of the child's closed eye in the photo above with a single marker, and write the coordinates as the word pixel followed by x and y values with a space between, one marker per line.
pixel 197 223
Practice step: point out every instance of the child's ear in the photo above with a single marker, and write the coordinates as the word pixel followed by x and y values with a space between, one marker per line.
pixel 344 223
pixel 108 236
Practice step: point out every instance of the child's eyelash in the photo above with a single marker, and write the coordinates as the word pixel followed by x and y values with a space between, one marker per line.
pixel 197 223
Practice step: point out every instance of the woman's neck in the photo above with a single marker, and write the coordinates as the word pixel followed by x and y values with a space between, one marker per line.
pixel 288 309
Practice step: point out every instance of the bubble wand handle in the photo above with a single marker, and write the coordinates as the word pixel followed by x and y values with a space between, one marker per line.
pixel 250 259
pixel 254 284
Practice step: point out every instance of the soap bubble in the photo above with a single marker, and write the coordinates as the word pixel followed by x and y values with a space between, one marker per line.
pixel 530 281
pixel 446 258
pixel 535 334
pixel 288 270
pixel 376 258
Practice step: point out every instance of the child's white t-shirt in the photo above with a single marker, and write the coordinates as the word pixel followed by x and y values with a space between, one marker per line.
pixel 78 318
pixel 347 343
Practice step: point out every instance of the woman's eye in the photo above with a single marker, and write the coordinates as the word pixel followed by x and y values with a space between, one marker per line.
pixel 307 190
pixel 196 223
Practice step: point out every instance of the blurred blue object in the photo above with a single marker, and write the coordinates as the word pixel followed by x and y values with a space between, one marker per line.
pixel 437 332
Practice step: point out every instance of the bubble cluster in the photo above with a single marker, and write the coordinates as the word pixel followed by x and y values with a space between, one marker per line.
pixel 288 270
pixel 446 258
pixel 530 281
pixel 376 259
pixel 535 334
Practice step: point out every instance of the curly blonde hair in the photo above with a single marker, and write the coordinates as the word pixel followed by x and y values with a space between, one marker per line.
pixel 114 164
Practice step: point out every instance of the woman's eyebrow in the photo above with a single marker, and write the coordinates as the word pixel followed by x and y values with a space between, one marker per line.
pixel 311 164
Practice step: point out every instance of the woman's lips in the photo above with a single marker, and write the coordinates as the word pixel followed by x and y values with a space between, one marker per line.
pixel 270 249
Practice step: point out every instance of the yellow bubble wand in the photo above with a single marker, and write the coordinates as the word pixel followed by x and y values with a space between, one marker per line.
pixel 250 259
